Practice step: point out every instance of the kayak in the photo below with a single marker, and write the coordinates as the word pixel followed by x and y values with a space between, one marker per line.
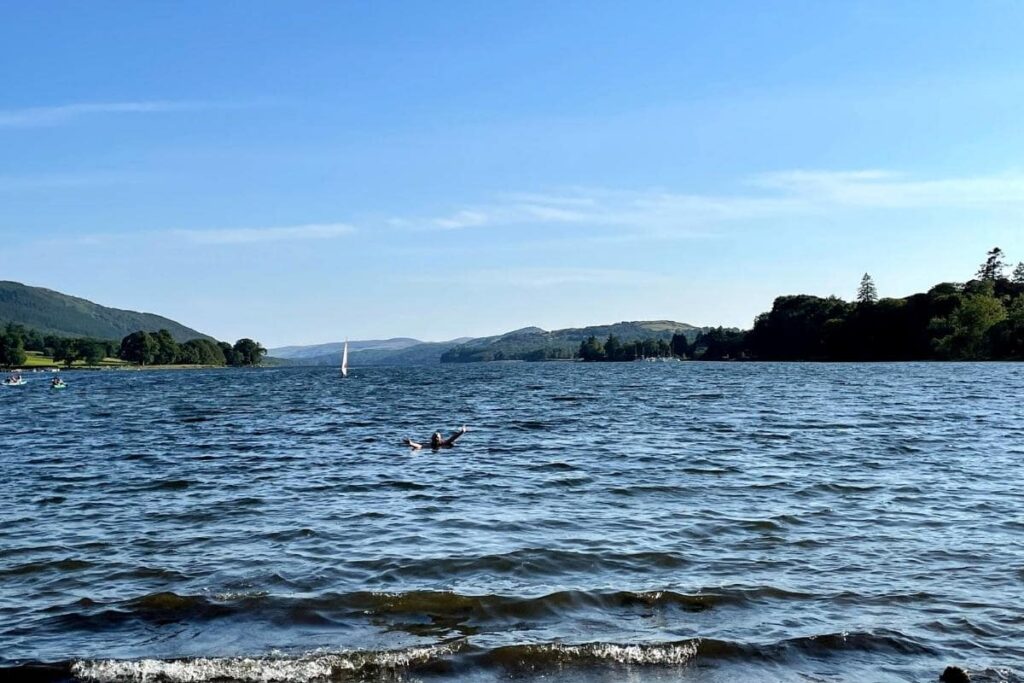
pixel 14 382
pixel 58 386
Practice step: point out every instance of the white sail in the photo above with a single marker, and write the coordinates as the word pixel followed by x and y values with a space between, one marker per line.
pixel 344 360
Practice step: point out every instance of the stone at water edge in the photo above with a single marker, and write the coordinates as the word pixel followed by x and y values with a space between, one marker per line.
pixel 954 674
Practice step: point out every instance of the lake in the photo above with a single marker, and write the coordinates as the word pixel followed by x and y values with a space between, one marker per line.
pixel 640 521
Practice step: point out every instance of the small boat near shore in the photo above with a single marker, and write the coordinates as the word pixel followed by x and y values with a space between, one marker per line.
pixel 15 381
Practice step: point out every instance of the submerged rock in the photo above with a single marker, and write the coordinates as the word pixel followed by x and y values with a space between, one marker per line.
pixel 954 674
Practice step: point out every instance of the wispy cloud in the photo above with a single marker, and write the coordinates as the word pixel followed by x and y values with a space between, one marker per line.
pixel 665 213
pixel 879 189
pixel 650 212
pixel 541 278
pixel 315 231
pixel 213 237
pixel 462 219
pixel 65 113
pixel 50 181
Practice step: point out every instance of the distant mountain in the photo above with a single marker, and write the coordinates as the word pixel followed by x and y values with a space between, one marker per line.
pixel 528 343
pixel 424 353
pixel 533 343
pixel 51 312
pixel 334 348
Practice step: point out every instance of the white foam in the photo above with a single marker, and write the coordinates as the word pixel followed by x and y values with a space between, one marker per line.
pixel 268 669
pixel 665 655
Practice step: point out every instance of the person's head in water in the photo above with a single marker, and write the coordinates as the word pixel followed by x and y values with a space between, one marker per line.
pixel 436 440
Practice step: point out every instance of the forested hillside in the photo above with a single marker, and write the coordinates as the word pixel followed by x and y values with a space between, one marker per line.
pixel 533 343
pixel 51 312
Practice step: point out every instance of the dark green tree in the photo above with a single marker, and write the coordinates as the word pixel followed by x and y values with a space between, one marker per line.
pixel 189 354
pixel 66 352
pixel 228 352
pixel 680 345
pixel 992 268
pixel 867 293
pixel 969 327
pixel 12 349
pixel 90 350
pixel 795 328
pixel 248 352
pixel 613 348
pixel 199 352
pixel 138 347
pixel 1006 338
pixel 721 344
pixel 165 348
pixel 591 349
pixel 1018 273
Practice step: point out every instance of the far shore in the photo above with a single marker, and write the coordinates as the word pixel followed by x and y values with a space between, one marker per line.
pixel 119 368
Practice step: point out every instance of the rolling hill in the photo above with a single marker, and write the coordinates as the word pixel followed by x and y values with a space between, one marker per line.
pixel 528 343
pixel 51 312
pixel 533 343
pixel 334 348
pixel 368 353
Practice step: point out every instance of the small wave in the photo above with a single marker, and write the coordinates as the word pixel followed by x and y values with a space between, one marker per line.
pixel 571 482
pixel 557 654
pixel 496 607
pixel 534 657
pixel 319 666
pixel 403 485
pixel 166 601
pixel 530 425
pixel 645 489
pixel 526 562
pixel 453 609
pixel 165 485
pixel 556 466
pixel 376 665
pixel 864 641
pixel 66 565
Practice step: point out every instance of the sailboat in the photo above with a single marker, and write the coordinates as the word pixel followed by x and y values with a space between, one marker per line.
pixel 344 360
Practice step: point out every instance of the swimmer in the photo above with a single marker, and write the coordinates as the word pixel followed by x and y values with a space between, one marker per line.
pixel 437 441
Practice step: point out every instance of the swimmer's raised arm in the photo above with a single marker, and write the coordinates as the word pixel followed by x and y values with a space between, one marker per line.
pixel 450 441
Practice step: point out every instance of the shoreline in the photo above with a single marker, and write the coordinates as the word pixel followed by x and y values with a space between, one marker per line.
pixel 50 369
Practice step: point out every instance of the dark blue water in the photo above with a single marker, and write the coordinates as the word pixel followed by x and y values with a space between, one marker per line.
pixel 642 522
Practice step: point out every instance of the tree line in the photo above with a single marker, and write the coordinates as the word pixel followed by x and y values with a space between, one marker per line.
pixel 142 348
pixel 159 348
pixel 981 319
pixel 717 343
pixel 525 353
pixel 17 341
pixel 613 350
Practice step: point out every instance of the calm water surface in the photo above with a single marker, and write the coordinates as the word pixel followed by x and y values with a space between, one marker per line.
pixel 642 522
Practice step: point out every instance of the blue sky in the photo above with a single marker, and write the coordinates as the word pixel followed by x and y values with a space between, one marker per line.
pixel 306 172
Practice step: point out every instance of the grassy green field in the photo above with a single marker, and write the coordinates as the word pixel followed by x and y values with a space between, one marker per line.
pixel 38 360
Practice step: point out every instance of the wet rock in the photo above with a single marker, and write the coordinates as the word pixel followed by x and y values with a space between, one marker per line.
pixel 954 674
